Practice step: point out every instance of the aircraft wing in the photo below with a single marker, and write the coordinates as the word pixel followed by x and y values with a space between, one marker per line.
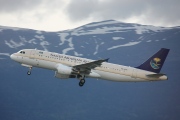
pixel 86 68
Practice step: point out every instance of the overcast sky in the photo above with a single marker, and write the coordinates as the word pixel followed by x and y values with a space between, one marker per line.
pixel 55 15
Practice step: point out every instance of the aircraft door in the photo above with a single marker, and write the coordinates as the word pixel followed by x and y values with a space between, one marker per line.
pixel 33 56
pixel 33 53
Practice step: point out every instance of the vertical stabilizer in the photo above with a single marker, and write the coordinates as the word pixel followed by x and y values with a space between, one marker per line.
pixel 155 63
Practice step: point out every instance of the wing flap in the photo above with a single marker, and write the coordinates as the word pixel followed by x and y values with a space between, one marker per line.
pixel 86 68
pixel 91 65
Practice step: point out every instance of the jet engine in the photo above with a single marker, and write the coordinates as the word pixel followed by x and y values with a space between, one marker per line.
pixel 61 76
pixel 63 69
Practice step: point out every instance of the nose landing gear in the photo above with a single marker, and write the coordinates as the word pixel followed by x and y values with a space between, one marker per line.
pixel 29 71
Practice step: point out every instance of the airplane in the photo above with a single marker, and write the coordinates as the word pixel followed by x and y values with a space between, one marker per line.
pixel 66 66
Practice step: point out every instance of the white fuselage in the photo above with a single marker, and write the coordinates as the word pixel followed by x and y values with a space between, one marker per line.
pixel 107 71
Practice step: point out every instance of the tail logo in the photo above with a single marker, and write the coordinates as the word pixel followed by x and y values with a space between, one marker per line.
pixel 154 63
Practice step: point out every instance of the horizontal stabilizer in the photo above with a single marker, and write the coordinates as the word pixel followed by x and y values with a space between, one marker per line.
pixel 155 75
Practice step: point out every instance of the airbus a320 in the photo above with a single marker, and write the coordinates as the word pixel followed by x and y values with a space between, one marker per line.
pixel 66 66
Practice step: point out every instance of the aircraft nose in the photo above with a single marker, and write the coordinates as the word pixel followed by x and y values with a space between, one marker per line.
pixel 12 56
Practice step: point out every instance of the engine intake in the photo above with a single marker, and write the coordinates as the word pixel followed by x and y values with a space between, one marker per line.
pixel 63 69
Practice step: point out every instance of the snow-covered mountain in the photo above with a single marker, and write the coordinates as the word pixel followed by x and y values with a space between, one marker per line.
pixel 91 39
pixel 39 97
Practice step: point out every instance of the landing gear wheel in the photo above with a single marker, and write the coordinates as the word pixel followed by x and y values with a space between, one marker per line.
pixel 29 72
pixel 81 83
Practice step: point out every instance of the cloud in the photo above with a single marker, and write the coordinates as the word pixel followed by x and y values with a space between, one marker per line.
pixel 163 12
pixel 104 9
pixel 15 5
pixel 7 6
pixel 81 9
pixel 67 14
pixel 151 11
pixel 34 14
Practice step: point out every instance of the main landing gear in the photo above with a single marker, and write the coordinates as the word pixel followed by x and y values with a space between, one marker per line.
pixel 82 80
pixel 29 71
pixel 81 83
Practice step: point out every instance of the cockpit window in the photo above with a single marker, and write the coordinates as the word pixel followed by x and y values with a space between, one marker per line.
pixel 22 52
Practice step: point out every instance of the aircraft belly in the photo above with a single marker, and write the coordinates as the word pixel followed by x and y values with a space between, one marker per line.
pixel 47 64
pixel 28 61
pixel 39 63
pixel 117 77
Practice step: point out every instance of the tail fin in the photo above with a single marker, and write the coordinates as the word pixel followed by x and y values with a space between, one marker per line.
pixel 155 63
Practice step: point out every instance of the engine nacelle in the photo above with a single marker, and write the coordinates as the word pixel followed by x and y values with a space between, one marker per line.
pixel 61 76
pixel 63 69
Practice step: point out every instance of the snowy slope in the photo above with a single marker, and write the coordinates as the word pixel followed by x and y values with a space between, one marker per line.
pixel 101 36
